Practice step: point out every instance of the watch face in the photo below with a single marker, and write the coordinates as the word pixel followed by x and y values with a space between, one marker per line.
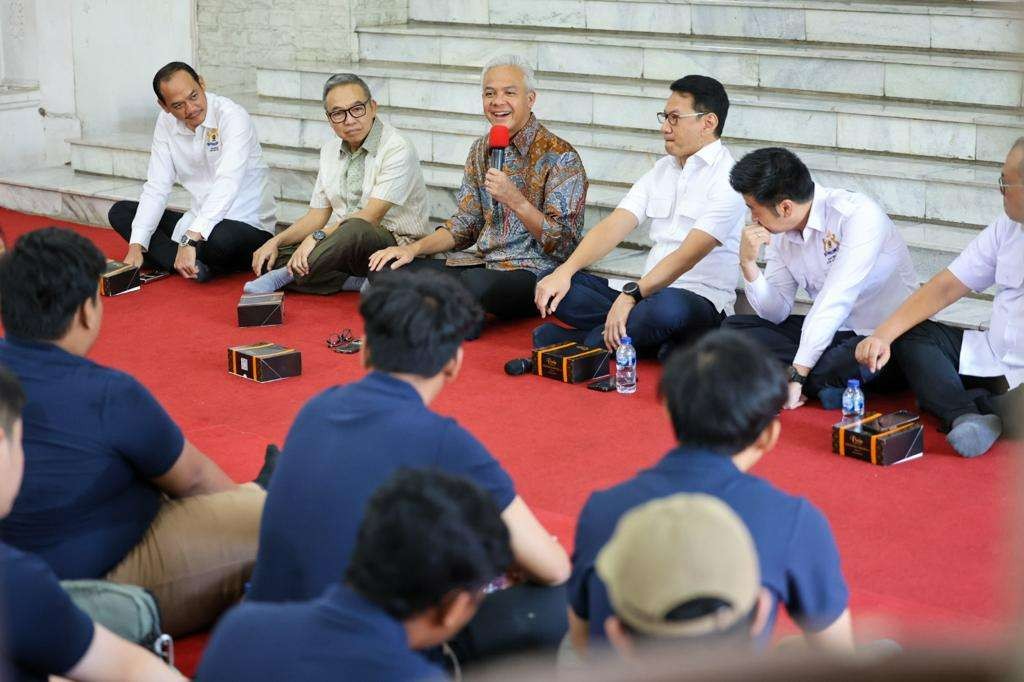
pixel 630 288
pixel 319 235
pixel 184 240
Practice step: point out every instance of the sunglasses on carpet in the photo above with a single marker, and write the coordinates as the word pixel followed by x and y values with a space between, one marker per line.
pixel 344 342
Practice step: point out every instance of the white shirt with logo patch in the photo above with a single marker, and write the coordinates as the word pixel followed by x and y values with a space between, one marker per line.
pixel 220 164
pixel 850 259
pixel 996 256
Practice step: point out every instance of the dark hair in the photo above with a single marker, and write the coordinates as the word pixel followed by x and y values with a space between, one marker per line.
pixel 738 634
pixel 722 392
pixel 708 96
pixel 165 73
pixel 772 175
pixel 44 280
pixel 425 534
pixel 12 400
pixel 416 321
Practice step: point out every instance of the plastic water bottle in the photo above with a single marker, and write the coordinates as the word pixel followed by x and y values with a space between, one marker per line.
pixel 853 401
pixel 625 366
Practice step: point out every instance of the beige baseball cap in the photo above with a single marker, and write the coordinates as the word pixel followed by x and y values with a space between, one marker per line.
pixel 676 549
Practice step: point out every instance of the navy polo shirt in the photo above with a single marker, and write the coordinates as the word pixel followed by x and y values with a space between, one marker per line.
pixel 346 442
pixel 341 635
pixel 93 438
pixel 798 555
pixel 42 632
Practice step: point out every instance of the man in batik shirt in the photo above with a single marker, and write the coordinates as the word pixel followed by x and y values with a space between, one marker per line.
pixel 524 220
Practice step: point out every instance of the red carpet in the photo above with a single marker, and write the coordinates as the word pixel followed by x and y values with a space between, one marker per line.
pixel 925 544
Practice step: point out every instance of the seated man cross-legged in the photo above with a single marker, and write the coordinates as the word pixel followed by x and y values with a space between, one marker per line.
pixel 347 440
pixel 689 279
pixel 428 542
pixel 842 249
pixel 972 380
pixel 207 143
pixel 524 219
pixel 42 632
pixel 723 395
pixel 112 489
pixel 370 177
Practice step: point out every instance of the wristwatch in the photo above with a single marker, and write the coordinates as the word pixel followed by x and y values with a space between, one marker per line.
pixel 319 236
pixel 796 376
pixel 633 289
pixel 187 241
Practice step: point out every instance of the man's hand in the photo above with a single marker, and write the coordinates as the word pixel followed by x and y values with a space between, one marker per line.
pixel 796 396
pixel 750 245
pixel 499 186
pixel 550 291
pixel 185 262
pixel 873 352
pixel 615 323
pixel 298 264
pixel 396 255
pixel 134 256
pixel 264 257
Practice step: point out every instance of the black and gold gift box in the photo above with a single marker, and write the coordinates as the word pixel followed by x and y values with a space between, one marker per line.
pixel 261 310
pixel 570 362
pixel 862 439
pixel 264 361
pixel 119 278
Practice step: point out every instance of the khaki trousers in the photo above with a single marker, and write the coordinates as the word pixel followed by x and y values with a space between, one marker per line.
pixel 197 556
pixel 342 254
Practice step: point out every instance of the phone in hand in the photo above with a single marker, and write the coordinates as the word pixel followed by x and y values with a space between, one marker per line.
pixel 604 384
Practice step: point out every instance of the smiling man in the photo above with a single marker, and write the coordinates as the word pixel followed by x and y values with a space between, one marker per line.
pixel 208 144
pixel 525 218
pixel 369 178
pixel 689 280
pixel 838 246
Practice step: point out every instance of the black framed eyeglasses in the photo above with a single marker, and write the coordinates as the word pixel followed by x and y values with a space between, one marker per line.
pixel 357 110
pixel 344 342
pixel 673 117
pixel 1003 185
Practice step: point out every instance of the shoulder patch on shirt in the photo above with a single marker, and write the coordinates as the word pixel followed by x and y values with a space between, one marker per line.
pixel 830 245
pixel 212 140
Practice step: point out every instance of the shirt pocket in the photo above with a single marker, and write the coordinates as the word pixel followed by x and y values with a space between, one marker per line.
pixel 659 207
pixel 1010 269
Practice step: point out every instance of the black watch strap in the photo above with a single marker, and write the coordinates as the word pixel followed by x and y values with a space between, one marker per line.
pixel 796 376
pixel 632 289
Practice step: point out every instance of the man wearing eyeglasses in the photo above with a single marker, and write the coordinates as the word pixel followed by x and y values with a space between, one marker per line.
pixel 689 279
pixel 208 144
pixel 963 376
pixel 370 179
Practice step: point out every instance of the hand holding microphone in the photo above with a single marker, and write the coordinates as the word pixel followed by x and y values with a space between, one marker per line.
pixel 497 184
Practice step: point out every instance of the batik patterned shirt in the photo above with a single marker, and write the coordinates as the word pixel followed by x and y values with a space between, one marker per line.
pixel 550 174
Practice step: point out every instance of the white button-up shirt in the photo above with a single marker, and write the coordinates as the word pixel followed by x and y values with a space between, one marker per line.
pixel 852 261
pixel 220 164
pixel 696 196
pixel 391 173
pixel 996 256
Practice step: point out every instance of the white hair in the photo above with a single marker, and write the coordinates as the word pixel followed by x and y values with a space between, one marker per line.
pixel 511 60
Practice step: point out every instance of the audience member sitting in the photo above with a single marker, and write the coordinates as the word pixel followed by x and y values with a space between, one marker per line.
pixel 112 488
pixel 723 396
pixel 682 571
pixel 369 176
pixel 962 376
pixel 526 218
pixel 427 545
pixel 689 279
pixel 42 632
pixel 837 245
pixel 346 441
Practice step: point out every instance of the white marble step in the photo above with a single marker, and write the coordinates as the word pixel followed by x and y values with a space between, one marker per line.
pixel 946 191
pixel 62 193
pixel 882 72
pixel 933 130
pixel 922 25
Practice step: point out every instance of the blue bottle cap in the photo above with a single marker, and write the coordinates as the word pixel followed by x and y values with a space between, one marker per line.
pixel 853 383
pixel 626 340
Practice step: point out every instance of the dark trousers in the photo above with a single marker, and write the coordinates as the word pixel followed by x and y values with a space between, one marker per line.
pixel 836 365
pixel 507 294
pixel 668 315
pixel 342 254
pixel 515 620
pixel 930 356
pixel 229 248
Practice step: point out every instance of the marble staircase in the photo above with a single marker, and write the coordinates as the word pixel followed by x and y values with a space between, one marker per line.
pixel 912 103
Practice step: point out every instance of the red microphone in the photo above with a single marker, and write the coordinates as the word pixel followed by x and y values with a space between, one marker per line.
pixel 498 143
